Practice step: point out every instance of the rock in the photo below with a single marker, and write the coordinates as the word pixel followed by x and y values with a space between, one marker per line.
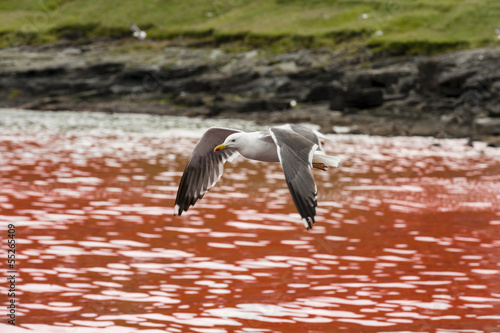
pixel 231 82
pixel 262 86
pixel 324 92
pixel 452 84
pixel 493 110
pixel 364 98
pixel 337 102
pixel 280 104
pixel 43 72
pixel 199 85
pixel 428 73
pixel 101 69
pixel 382 129
pixel 425 128
pixel 487 126
pixel 494 144
pixel 318 74
pixel 190 100
pixel 180 72
pixel 246 106
pixel 288 86
pixel 407 84
pixel 480 82
pixel 287 67
pixel 380 78
pixel 252 105
pixel 173 87
pixel 448 95
pixel 133 76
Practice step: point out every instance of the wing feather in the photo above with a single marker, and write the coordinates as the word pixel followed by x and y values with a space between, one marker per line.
pixel 295 153
pixel 204 168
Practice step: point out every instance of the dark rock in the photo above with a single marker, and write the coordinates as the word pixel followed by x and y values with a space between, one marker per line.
pixel 337 102
pixel 252 105
pixel 187 99
pixel 394 97
pixel 245 106
pixel 133 76
pixel 324 92
pixel 44 72
pixel 239 106
pixel 182 72
pixel 318 74
pixel 380 78
pixel 234 82
pixel 480 82
pixel 288 86
pixel 200 85
pixel 406 84
pixel 452 84
pixel 364 98
pixel 494 144
pixel 338 98
pixel 264 86
pixel 307 74
pixel 487 126
pixel 278 104
pixel 428 73
pixel 101 69
pixel 493 110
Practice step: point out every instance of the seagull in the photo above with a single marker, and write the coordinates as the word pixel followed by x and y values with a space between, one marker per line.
pixel 297 148
pixel 138 33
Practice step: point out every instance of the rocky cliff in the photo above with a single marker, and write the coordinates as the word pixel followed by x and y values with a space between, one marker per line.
pixel 449 95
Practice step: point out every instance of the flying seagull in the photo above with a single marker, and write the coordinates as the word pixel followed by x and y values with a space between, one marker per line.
pixel 138 33
pixel 296 147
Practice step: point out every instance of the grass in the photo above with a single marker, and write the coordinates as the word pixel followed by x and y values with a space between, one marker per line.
pixel 394 26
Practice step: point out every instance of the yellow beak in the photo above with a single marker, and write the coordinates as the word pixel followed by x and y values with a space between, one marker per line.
pixel 220 147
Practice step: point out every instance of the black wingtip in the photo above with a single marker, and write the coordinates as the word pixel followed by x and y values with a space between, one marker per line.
pixel 177 210
pixel 307 222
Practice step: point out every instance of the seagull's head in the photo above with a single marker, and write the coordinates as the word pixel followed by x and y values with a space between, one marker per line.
pixel 231 141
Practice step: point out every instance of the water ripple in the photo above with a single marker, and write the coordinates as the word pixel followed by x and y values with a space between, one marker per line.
pixel 406 238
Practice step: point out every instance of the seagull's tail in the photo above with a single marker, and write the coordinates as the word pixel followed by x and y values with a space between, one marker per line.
pixel 321 158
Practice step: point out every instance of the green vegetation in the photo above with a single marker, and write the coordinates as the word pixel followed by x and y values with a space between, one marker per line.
pixel 394 26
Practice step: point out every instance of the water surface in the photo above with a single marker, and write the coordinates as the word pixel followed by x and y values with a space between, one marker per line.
pixel 406 240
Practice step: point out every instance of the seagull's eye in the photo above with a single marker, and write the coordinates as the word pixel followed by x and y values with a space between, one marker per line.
pixel 233 140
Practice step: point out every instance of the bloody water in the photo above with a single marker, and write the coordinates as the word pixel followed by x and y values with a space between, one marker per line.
pixel 407 237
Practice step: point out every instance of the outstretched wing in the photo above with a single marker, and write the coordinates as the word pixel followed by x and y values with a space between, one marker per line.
pixel 134 28
pixel 295 153
pixel 204 168
pixel 308 133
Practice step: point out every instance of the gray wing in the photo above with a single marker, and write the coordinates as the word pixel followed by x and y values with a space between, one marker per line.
pixel 295 153
pixel 306 132
pixel 134 28
pixel 204 168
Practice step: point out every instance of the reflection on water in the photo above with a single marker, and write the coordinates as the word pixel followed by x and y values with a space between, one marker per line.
pixel 407 235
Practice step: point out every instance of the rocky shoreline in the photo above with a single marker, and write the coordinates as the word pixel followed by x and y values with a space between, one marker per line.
pixel 449 95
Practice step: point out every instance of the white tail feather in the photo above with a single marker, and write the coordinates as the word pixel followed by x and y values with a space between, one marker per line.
pixel 320 157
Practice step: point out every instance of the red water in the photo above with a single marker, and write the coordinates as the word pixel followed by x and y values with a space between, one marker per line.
pixel 407 238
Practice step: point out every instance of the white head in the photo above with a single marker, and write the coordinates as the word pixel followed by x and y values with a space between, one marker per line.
pixel 232 141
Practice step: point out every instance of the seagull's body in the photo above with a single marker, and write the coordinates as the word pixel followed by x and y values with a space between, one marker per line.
pixel 297 148
pixel 137 32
